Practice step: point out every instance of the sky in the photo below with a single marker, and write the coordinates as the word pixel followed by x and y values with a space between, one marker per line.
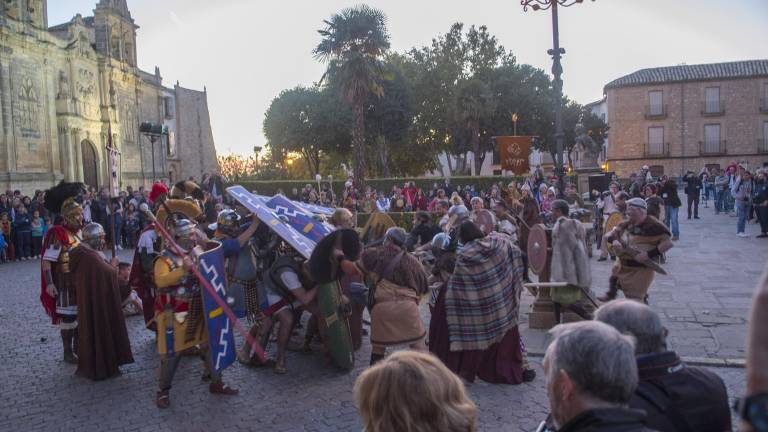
pixel 246 51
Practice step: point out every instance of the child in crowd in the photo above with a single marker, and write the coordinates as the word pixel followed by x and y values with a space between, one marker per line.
pixel 23 227
pixel 131 229
pixel 46 225
pixel 132 304
pixel 37 233
pixel 7 226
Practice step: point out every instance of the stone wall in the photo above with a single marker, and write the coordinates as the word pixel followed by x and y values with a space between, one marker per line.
pixel 63 89
pixel 741 125
pixel 195 137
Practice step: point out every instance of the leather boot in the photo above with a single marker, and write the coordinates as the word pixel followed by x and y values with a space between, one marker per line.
pixel 67 337
pixel 613 289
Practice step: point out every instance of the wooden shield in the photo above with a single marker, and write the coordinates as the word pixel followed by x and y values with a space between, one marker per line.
pixel 485 220
pixel 537 249
pixel 613 220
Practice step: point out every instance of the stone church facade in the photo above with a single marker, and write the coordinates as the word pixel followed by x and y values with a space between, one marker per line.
pixel 63 89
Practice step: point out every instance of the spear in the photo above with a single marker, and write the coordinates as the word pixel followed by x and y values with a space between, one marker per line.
pixel 255 347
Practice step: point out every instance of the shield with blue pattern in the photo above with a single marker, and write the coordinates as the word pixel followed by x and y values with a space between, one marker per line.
pixel 220 329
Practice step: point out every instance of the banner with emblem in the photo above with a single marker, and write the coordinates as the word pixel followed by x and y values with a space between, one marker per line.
pixel 220 329
pixel 515 152
pixel 113 159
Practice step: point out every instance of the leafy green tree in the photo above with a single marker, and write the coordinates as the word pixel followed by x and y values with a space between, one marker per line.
pixel 353 42
pixel 309 122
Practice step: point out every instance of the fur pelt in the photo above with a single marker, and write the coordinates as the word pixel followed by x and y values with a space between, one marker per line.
pixel 569 254
pixel 55 196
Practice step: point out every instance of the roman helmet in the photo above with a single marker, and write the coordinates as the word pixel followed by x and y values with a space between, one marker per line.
pixel 183 233
pixel 228 223
pixel 93 235
pixel 61 199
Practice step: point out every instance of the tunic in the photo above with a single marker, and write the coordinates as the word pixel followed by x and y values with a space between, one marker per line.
pixel 62 309
pixel 178 307
pixel 635 278
pixel 401 281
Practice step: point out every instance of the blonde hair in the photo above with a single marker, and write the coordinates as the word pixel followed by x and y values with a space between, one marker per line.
pixel 339 215
pixel 413 392
pixel 456 199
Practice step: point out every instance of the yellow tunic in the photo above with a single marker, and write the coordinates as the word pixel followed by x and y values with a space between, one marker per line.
pixel 172 312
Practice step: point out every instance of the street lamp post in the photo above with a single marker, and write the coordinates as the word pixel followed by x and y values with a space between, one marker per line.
pixel 557 70
pixel 154 132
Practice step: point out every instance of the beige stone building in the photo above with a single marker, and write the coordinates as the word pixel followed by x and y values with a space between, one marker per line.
pixel 681 118
pixel 64 88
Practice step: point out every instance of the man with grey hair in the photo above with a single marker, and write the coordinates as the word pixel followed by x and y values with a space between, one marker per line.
pixel 591 375
pixel 103 338
pixel 637 240
pixel 676 397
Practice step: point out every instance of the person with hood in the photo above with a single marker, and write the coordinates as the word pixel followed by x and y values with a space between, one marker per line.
pixel 474 327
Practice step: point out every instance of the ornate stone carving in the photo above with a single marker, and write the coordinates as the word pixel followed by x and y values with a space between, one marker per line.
pixel 29 108
pixel 86 88
pixel 63 86
pixel 84 46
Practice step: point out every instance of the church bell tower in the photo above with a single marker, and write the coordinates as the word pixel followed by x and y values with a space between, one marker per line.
pixel 115 31
pixel 34 12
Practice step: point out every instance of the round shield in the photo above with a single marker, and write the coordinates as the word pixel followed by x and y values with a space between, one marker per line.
pixel 537 249
pixel 485 220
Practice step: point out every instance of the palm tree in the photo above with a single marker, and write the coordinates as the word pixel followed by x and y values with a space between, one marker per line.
pixel 353 41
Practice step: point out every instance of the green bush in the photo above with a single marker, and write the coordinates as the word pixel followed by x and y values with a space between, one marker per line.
pixel 270 187
pixel 403 219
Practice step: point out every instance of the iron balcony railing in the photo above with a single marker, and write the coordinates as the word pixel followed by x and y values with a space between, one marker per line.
pixel 712 147
pixel 655 112
pixel 656 150
pixel 762 145
pixel 713 108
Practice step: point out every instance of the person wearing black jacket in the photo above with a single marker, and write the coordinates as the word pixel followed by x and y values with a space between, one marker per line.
pixel 760 202
pixel 676 397
pixel 672 205
pixel 693 191
pixel 423 231
pixel 591 375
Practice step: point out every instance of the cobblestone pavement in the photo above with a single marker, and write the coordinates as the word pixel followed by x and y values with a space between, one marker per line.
pixel 704 303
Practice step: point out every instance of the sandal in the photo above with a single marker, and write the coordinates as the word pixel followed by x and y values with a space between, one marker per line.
pixel 222 389
pixel 163 399
pixel 280 369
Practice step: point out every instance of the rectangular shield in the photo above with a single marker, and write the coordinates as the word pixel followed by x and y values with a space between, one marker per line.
pixel 257 205
pixel 220 330
pixel 300 219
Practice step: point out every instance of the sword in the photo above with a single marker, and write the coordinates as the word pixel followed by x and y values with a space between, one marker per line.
pixel 631 253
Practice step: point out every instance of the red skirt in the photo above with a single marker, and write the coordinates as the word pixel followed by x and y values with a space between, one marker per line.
pixel 501 363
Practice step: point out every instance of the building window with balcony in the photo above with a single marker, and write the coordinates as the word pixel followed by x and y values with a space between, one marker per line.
pixel 655 107
pixel 712 103
pixel 764 99
pixel 712 143
pixel 762 143
pixel 655 141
